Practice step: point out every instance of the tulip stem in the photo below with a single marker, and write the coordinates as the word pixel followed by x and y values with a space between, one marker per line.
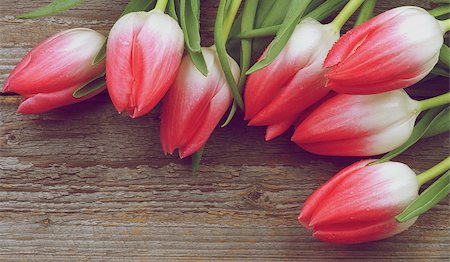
pixel 441 10
pixel 433 172
pixel 345 14
pixel 434 102
pixel 161 5
pixel 445 25
pixel 229 18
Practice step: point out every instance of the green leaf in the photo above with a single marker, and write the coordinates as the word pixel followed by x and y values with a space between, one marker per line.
pixel 313 5
pixel 326 9
pixel 220 42
pixel 138 5
pixel 428 199
pixel 440 124
pixel 294 13
pixel 444 56
pixel 172 9
pixel 199 62
pixel 190 23
pixel 248 19
pixel 90 87
pixel 418 132
pixel 437 70
pixel 132 6
pixel 55 7
pixel 366 12
pixel 196 158
pixel 101 53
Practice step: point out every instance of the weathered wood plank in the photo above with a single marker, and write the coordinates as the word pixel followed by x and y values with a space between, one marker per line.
pixel 83 182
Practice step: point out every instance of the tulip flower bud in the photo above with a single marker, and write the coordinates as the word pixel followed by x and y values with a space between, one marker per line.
pixel 195 104
pixel 360 203
pixel 278 93
pixel 358 125
pixel 390 51
pixel 49 74
pixel 143 55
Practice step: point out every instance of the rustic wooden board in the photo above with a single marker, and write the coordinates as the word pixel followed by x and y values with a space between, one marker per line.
pixel 83 182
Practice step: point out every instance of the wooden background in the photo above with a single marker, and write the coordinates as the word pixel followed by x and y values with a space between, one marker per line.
pixel 83 182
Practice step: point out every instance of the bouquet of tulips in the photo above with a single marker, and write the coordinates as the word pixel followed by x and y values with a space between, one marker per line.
pixel 282 67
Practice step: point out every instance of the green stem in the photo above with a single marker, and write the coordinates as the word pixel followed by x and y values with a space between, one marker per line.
pixel 161 5
pixel 434 101
pixel 445 25
pixel 434 171
pixel 345 14
pixel 260 32
pixel 366 12
pixel 229 18
pixel 441 10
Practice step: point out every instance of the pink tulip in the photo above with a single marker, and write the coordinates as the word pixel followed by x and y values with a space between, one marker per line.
pixel 277 94
pixel 143 55
pixel 195 104
pixel 358 125
pixel 49 74
pixel 360 203
pixel 390 51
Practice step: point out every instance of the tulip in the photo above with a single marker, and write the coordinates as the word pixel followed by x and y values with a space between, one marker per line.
pixel 195 104
pixel 358 125
pixel 49 74
pixel 390 51
pixel 143 55
pixel 360 203
pixel 277 94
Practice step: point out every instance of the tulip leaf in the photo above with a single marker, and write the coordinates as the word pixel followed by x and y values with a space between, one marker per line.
pixel 294 13
pixel 190 23
pixel 269 13
pixel 220 42
pixel 366 12
pixel 90 87
pixel 101 53
pixel 196 158
pixel 428 199
pixel 55 7
pixel 172 9
pixel 428 120
pixel 440 124
pixel 444 56
pixel 313 5
pixel 132 6
pixel 248 19
pixel 138 5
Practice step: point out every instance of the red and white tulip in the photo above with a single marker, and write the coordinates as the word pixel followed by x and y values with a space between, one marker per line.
pixel 143 54
pixel 358 125
pixel 390 51
pixel 195 104
pixel 278 93
pixel 360 203
pixel 49 74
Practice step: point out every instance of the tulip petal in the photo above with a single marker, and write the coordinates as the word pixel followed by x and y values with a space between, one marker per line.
pixel 358 124
pixel 370 194
pixel 44 102
pixel 119 57
pixel 354 233
pixel 157 55
pixel 323 191
pixel 60 61
pixel 391 51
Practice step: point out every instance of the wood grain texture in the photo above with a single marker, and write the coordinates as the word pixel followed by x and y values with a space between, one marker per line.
pixel 83 182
